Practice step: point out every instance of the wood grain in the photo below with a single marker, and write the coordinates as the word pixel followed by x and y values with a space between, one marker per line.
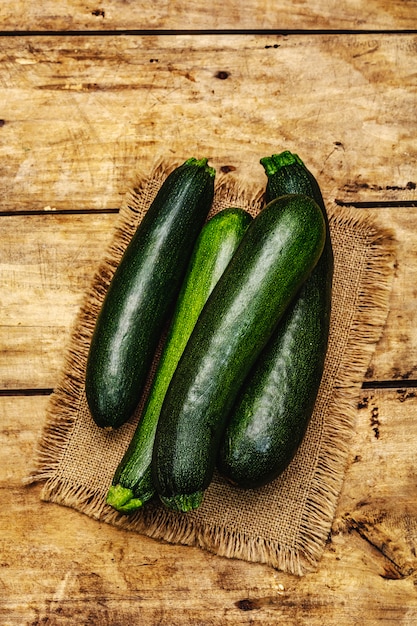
pixel 121 15
pixel 47 264
pixel 81 114
pixel 395 357
pixel 61 567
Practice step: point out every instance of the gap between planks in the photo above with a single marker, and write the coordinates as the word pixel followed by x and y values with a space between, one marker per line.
pixel 202 32
pixel 372 384
pixel 377 204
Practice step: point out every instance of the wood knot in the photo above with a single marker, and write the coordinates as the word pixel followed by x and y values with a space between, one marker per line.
pixel 222 75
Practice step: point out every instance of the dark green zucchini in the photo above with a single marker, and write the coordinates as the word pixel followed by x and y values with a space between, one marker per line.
pixel 132 483
pixel 276 255
pixel 142 292
pixel 273 410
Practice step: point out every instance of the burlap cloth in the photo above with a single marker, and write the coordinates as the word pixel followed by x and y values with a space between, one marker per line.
pixel 286 523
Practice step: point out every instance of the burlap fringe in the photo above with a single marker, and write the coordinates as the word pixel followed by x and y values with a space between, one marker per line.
pixel 371 313
pixel 156 522
pixel 161 524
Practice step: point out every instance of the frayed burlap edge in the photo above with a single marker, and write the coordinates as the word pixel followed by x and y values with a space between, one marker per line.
pixel 372 305
pixel 371 313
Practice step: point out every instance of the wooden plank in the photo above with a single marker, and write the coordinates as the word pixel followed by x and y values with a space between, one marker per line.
pixel 80 114
pixel 117 14
pixel 380 488
pixel 60 567
pixel 395 356
pixel 47 263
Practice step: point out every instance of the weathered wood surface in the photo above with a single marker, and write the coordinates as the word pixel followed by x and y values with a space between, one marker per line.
pixel 47 262
pixel 59 567
pixel 395 357
pixel 80 114
pixel 121 15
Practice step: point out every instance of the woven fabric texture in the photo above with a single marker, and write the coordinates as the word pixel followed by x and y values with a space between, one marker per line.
pixel 286 523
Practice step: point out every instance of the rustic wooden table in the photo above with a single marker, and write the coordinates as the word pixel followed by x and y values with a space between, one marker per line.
pixel 89 93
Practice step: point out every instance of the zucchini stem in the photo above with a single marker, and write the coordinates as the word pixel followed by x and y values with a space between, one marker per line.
pixel 122 499
pixel 275 162
pixel 201 163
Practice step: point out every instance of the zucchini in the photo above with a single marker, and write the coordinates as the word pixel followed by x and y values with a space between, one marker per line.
pixel 132 483
pixel 274 408
pixel 277 253
pixel 142 292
